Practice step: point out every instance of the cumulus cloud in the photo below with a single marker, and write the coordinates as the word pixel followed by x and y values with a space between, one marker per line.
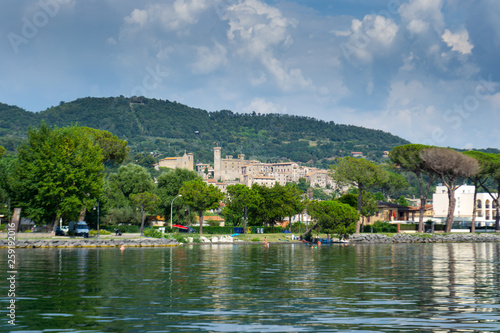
pixel 495 101
pixel 137 16
pixel 171 16
pixel 419 13
pixel 260 105
pixel 258 30
pixel 209 59
pixel 372 35
pixel 458 41
pixel 257 26
pixel 417 26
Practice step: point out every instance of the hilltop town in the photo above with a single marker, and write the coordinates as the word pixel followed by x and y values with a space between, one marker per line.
pixel 229 170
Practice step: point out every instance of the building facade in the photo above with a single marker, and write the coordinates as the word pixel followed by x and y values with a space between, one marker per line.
pixel 184 162
pixel 464 195
pixel 249 172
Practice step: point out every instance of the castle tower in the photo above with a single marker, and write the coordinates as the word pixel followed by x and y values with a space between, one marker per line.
pixel 217 163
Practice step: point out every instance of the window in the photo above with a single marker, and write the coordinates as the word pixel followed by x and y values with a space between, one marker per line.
pixel 479 204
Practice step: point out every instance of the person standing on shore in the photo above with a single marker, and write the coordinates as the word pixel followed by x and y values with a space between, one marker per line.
pixel 266 244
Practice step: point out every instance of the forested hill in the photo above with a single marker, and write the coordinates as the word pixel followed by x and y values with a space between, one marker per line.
pixel 170 128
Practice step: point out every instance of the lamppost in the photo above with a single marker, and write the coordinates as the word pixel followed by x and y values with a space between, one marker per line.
pixel 171 206
pixel 142 219
pixel 97 219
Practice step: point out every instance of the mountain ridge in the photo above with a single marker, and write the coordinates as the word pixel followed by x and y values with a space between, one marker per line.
pixel 170 128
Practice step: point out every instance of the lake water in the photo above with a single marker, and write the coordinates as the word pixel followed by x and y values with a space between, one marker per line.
pixel 248 288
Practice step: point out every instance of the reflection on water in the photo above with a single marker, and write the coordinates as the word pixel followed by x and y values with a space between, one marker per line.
pixel 247 288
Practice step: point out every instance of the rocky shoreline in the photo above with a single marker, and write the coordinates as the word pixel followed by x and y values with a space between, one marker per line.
pixel 89 242
pixel 162 242
pixel 426 238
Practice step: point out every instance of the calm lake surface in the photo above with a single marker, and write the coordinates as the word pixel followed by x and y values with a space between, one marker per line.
pixel 248 288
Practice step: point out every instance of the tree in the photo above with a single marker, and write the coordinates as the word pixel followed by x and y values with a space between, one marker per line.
pixel 369 207
pixel 147 201
pixel 114 150
pixel 200 196
pixel 277 203
pixel 333 217
pixel 408 158
pixel 6 183
pixel 450 166
pixel 144 159
pixel 293 203
pixel 303 185
pixel 130 179
pixel 169 185
pixel 394 183
pixel 490 167
pixel 2 151
pixel 349 199
pixel 58 170
pixel 486 168
pixel 360 173
pixel 239 199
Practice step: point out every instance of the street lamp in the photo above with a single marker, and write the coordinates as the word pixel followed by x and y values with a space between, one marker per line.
pixel 171 205
pixel 97 219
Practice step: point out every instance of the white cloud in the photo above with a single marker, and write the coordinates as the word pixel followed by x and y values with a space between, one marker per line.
pixel 419 13
pixel 209 60
pixel 372 35
pixel 258 30
pixel 417 26
pixel 170 16
pixel 257 26
pixel 137 16
pixel 287 79
pixel 260 105
pixel 458 42
pixel 495 101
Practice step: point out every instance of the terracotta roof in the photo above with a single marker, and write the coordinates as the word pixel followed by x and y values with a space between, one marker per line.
pixel 426 207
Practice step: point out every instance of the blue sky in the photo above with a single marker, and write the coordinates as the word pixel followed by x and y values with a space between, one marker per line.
pixel 426 70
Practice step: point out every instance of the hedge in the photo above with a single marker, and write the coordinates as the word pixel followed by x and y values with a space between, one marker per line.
pixel 122 228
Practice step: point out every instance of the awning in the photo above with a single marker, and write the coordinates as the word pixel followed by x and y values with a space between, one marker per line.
pixel 179 226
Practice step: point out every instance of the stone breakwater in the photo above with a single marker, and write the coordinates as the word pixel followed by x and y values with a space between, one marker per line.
pixel 89 242
pixel 427 238
pixel 213 239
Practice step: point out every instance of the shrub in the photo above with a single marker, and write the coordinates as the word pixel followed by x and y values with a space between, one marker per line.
pixel 179 238
pixel 408 227
pixel 152 232
pixel 216 230
pixel 273 230
pixel 213 223
pixel 255 239
pixel 101 232
pixel 381 227
pixel 122 228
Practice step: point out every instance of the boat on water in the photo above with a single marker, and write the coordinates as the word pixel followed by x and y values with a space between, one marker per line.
pixel 326 241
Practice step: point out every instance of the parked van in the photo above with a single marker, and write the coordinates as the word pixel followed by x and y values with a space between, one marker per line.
pixel 79 228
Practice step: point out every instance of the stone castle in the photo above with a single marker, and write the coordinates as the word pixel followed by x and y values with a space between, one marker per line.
pixel 230 170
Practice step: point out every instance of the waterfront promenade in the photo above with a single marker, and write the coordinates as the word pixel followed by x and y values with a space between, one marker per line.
pixel 44 240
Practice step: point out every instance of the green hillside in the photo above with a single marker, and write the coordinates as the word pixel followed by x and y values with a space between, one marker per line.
pixel 170 128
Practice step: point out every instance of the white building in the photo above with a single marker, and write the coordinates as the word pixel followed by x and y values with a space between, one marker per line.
pixel 184 162
pixel 464 195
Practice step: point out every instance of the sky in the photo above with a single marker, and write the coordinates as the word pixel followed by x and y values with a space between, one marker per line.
pixel 425 70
